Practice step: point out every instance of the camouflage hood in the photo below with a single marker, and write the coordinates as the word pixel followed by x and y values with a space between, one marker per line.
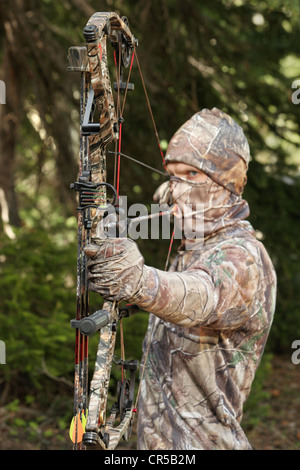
pixel 214 143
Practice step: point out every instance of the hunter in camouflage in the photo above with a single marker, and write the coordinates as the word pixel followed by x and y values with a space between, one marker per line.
pixel 211 313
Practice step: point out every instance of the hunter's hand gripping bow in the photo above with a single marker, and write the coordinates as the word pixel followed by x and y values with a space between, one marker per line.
pixel 100 125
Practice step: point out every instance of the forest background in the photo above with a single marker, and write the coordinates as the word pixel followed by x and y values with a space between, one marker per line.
pixel 240 56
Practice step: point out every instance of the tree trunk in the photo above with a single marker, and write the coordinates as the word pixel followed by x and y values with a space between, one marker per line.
pixel 9 125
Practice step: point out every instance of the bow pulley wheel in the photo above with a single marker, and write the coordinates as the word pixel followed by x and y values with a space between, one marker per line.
pixel 126 50
pixel 123 51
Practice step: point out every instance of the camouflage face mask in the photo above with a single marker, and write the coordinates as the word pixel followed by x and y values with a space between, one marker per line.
pixel 189 198
pixel 204 208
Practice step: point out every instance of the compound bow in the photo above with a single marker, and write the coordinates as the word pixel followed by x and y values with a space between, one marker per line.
pixel 100 125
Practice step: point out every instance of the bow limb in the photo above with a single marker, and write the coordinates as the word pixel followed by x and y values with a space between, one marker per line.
pixel 99 128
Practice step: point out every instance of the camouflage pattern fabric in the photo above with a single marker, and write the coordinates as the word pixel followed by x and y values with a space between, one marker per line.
pixel 213 313
pixel 115 268
pixel 214 143
pixel 211 207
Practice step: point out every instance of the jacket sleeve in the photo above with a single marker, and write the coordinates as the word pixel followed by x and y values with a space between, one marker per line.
pixel 216 294
pixel 181 298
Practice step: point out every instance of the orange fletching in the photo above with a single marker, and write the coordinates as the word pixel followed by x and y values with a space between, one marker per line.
pixel 76 429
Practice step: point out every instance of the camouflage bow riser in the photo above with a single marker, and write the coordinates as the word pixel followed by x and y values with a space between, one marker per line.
pixel 97 100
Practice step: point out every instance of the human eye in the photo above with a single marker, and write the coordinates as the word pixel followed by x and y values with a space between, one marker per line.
pixel 192 174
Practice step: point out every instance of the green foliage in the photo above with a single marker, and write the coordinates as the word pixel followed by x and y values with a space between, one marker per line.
pixel 37 292
pixel 257 406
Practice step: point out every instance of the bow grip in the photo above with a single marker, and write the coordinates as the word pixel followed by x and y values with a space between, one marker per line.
pixel 89 325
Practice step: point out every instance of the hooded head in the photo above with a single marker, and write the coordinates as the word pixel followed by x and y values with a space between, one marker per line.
pixel 214 143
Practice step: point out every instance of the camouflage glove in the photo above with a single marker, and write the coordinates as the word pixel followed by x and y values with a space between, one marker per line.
pixel 115 268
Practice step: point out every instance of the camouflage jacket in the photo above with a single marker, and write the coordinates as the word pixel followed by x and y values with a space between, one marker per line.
pixel 212 314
